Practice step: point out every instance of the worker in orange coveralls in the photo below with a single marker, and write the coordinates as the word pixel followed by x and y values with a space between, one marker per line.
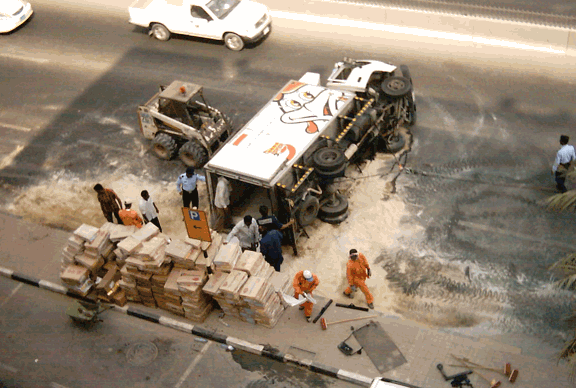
pixel 357 270
pixel 129 216
pixel 305 282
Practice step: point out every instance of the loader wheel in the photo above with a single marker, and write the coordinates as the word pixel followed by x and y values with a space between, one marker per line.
pixel 193 154
pixel 307 210
pixel 396 86
pixel 233 42
pixel 328 159
pixel 164 146
pixel 160 32
pixel 337 206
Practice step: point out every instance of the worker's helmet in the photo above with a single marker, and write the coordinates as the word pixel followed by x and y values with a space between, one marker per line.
pixel 308 275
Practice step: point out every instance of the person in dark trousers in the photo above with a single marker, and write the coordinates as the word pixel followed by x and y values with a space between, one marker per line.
pixel 564 157
pixel 271 247
pixel 149 209
pixel 270 222
pixel 186 186
pixel 110 203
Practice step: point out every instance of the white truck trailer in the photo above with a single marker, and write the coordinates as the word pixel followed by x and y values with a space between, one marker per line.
pixel 236 22
pixel 307 134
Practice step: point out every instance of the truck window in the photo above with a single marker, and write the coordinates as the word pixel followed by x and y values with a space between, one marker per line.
pixel 199 12
pixel 221 8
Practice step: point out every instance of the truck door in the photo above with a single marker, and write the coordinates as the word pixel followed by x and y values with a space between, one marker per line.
pixel 203 24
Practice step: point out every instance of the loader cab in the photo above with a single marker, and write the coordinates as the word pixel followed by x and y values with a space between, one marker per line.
pixel 184 102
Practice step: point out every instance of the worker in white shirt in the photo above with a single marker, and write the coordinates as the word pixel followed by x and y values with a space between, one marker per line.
pixel 246 231
pixel 564 157
pixel 223 218
pixel 149 210
pixel 186 186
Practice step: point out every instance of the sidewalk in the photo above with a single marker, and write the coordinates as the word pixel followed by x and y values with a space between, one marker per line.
pixel 34 250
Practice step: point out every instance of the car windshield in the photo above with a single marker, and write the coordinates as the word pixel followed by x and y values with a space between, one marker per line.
pixel 221 8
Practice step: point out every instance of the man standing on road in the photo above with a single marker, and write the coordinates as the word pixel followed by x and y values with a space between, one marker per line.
pixel 223 218
pixel 149 210
pixel 129 216
pixel 305 282
pixel 246 231
pixel 271 247
pixel 186 186
pixel 564 158
pixel 109 202
pixel 357 270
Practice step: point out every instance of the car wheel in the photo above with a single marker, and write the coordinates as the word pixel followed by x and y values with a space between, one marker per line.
pixel 194 154
pixel 233 42
pixel 328 159
pixel 395 142
pixel 335 207
pixel 160 32
pixel 307 211
pixel 396 86
pixel 164 146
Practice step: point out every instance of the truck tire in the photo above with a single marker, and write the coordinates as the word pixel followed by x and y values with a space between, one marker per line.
pixel 325 176
pixel 395 142
pixel 164 146
pixel 159 32
pixel 411 115
pixel 193 154
pixel 334 220
pixel 307 211
pixel 337 206
pixel 233 41
pixel 328 159
pixel 396 86
pixel 406 72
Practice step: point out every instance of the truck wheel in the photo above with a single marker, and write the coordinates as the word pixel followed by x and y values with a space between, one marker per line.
pixel 160 32
pixel 193 154
pixel 396 86
pixel 233 41
pixel 328 159
pixel 332 174
pixel 335 207
pixel 334 220
pixel 411 116
pixel 405 72
pixel 164 146
pixel 395 142
pixel 307 210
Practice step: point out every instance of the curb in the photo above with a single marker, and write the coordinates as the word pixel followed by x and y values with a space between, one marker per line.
pixel 212 335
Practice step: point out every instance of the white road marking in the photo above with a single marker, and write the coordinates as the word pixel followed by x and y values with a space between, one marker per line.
pixel 193 365
pixel 56 385
pixel 8 368
pixel 24 58
pixel 16 127
pixel 8 159
pixel 410 31
pixel 14 291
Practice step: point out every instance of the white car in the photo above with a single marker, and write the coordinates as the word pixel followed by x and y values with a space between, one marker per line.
pixel 13 13
pixel 236 22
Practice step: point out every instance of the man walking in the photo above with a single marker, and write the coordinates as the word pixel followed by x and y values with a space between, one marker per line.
pixel 129 216
pixel 149 210
pixel 271 247
pixel 222 205
pixel 186 186
pixel 357 270
pixel 246 231
pixel 305 282
pixel 110 203
pixel 564 158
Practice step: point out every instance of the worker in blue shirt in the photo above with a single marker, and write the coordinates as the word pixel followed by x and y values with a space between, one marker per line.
pixel 564 158
pixel 186 186
pixel 271 222
pixel 271 247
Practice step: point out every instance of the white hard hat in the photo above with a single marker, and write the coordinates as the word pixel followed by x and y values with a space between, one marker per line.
pixel 308 275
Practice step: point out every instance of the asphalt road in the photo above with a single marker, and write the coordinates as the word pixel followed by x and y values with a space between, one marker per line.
pixel 485 140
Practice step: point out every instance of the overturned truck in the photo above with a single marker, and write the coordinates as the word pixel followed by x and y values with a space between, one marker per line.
pixel 307 134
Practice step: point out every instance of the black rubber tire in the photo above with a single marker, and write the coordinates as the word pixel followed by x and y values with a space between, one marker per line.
pixel 328 159
pixel 396 86
pixel 334 220
pixel 233 41
pixel 334 208
pixel 160 32
pixel 164 146
pixel 307 210
pixel 412 117
pixel 406 72
pixel 193 154
pixel 395 142
pixel 324 176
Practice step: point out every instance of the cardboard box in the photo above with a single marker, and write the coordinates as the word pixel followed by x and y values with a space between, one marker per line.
pixel 214 282
pixel 86 232
pixel 75 275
